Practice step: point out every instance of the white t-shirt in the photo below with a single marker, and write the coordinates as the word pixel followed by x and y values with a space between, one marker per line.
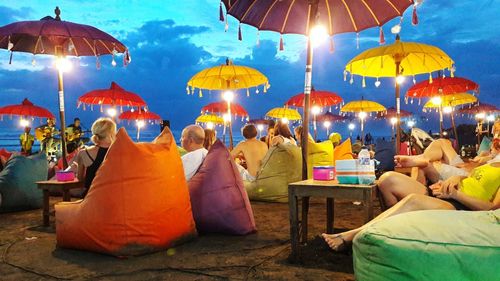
pixel 191 161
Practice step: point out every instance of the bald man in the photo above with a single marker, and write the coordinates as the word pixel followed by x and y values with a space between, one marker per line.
pixel 192 140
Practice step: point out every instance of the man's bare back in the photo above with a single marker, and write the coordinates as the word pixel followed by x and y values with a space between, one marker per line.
pixel 254 151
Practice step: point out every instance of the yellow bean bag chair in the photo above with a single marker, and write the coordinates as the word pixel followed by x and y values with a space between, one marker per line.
pixel 138 202
pixel 343 151
pixel 319 154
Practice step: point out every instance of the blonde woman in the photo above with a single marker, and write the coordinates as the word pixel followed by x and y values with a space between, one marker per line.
pixel 89 159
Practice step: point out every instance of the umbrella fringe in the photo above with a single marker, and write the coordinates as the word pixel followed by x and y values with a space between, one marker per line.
pixel 258 39
pixel 282 44
pixel 414 17
pixel 221 13
pixel 332 45
pixel 240 37
pixel 381 36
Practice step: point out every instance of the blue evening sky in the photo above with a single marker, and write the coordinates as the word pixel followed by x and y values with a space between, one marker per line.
pixel 172 40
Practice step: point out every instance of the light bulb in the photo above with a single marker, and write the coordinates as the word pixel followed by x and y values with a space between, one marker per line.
pixel 318 35
pixel 112 112
pixel 447 109
pixel 285 120
pixel 140 123
pixel 327 124
pixel 210 125
pixel 394 120
pixel 362 115
pixel 315 110
pixel 228 96
pixel 260 127
pixel 400 79
pixel 436 100
pixel 24 123
pixel 63 64
pixel 351 126
pixel 481 115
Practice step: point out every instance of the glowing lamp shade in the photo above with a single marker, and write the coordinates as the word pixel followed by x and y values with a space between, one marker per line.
pixel 436 100
pixel 63 64
pixel 351 126
pixel 228 96
pixel 260 127
pixel 210 125
pixel 24 123
pixel 394 120
pixel 140 123
pixel 315 110
pixel 362 115
pixel 327 124
pixel 285 120
pixel 111 112
pixel 447 109
pixel 318 35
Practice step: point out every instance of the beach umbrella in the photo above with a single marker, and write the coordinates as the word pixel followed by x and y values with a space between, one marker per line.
pixel 260 124
pixel 314 19
pixel 52 36
pixel 210 120
pixel 226 109
pixel 140 117
pixel 448 103
pixel 228 77
pixel 25 109
pixel 284 114
pixel 362 108
pixel 114 96
pixel 481 112
pixel 398 60
pixel 328 118
pixel 392 115
pixel 441 86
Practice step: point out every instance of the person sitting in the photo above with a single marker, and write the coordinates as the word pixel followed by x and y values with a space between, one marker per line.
pixel 270 133
pixel 252 150
pixel 282 135
pixel 298 134
pixel 192 139
pixel 479 191
pixel 89 159
pixel 335 138
pixel 45 134
pixel 210 138
pixel 26 139
pixel 74 135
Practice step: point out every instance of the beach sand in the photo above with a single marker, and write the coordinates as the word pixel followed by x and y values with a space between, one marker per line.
pixel 29 252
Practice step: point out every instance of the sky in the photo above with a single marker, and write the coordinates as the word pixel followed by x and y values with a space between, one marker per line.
pixel 170 41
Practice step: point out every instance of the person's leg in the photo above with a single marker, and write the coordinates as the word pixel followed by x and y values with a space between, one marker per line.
pixel 396 186
pixel 440 150
pixel 413 202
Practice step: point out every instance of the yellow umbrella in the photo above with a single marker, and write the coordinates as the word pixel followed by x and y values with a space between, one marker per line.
pixel 284 113
pixel 210 119
pixel 449 101
pixel 362 108
pixel 398 60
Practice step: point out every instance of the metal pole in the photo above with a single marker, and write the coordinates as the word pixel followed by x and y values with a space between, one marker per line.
pixel 61 116
pixel 230 125
pixel 441 121
pixel 398 109
pixel 313 11
pixel 362 131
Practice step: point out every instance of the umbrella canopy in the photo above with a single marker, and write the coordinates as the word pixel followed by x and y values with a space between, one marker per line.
pixel 222 108
pixel 391 113
pixel 318 98
pixel 139 115
pixel 227 77
pixel 283 112
pixel 259 121
pixel 25 109
pixel 52 36
pixel 362 106
pixel 210 118
pixel 328 116
pixel 441 86
pixel 114 96
pixel 480 108
pixel 450 100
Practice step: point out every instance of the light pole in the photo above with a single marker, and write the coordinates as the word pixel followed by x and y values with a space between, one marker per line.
pixel 140 124
pixel 394 121
pixel 62 65
pixel 227 119
pixel 327 125
pixel 228 96
pixel 438 101
pixel 362 115
pixel 351 128
pixel 315 110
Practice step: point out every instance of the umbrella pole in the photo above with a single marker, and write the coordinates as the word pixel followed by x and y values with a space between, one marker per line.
pixel 230 125
pixel 61 116
pixel 362 131
pixel 313 11
pixel 138 132
pixel 398 110
pixel 454 127
pixel 441 121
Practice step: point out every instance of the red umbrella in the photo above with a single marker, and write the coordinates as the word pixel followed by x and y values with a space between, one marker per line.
pixel 221 107
pixel 114 96
pixel 52 36
pixel 25 109
pixel 328 116
pixel 139 116
pixel 318 98
pixel 441 86
pixel 392 113
pixel 480 108
pixel 304 17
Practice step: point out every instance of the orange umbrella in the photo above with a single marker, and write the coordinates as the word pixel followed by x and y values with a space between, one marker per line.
pixel 114 96
pixel 25 109
pixel 140 116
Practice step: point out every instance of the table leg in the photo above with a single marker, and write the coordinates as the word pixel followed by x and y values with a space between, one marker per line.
pixel 66 195
pixel 45 211
pixel 303 224
pixel 294 224
pixel 368 202
pixel 329 215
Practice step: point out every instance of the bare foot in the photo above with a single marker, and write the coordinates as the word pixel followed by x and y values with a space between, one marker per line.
pixel 338 242
pixel 410 161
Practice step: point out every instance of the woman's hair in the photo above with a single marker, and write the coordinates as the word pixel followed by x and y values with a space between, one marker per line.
pixel 102 129
pixel 209 138
pixel 281 129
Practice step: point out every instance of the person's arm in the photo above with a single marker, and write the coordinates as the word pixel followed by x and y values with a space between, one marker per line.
pixel 236 151
pixel 277 140
pixel 450 190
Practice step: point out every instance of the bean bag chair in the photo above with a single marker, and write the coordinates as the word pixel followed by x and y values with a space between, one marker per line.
pixel 430 245
pixel 218 198
pixel 18 189
pixel 281 166
pixel 137 203
pixel 384 153
pixel 319 154
pixel 485 145
pixel 343 151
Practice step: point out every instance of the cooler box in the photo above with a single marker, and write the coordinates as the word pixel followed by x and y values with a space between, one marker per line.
pixel 323 173
pixel 348 171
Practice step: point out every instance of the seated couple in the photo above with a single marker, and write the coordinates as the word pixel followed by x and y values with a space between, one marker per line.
pixel 477 190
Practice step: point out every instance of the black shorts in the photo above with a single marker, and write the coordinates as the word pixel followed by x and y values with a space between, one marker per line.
pixel 459 206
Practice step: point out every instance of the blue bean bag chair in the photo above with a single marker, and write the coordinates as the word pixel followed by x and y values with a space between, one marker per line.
pixel 17 182
pixel 218 198
pixel 384 153
pixel 430 245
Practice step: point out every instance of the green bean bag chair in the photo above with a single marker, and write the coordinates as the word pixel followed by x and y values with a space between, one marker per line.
pixel 430 245
pixel 18 189
pixel 281 166
pixel 319 154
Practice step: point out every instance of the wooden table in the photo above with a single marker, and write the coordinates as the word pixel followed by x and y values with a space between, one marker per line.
pixel 327 189
pixel 54 186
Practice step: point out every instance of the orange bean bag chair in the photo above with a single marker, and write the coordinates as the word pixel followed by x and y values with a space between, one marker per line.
pixel 138 202
pixel 343 151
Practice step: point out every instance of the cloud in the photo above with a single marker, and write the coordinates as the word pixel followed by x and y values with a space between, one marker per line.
pixel 9 15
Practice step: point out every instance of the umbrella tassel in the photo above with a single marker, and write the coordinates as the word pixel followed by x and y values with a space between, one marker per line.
pixel 332 45
pixel 381 37
pixel 430 78
pixel 345 75
pixel 414 17
pixel 248 92
pixel 226 25
pixel 357 41
pixel 187 90
pixel 363 82
pixel 265 89
pixel 97 62
pixel 258 39
pixel 200 93
pixel 221 12
pixel 282 44
pixel 239 33
pixel 10 57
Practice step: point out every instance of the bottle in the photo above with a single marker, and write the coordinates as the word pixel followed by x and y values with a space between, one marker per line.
pixel 365 167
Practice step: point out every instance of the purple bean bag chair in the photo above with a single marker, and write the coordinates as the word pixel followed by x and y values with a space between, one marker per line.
pixel 218 198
